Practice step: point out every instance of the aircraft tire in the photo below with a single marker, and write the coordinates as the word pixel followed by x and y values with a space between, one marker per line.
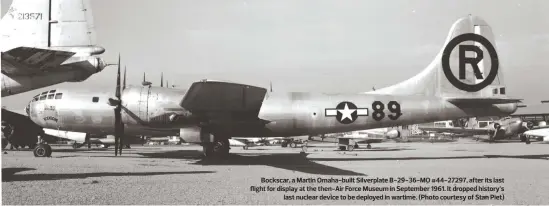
pixel 42 150
pixel 293 145
pixel 245 147
pixel 368 146
pixel 219 149
pixel 342 148
pixel 527 141
pixel 284 144
pixel 75 146
pixel 356 146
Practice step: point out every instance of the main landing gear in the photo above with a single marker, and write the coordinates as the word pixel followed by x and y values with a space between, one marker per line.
pixel 42 150
pixel 219 148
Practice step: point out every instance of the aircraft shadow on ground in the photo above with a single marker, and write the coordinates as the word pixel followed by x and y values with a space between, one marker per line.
pixel 540 157
pixel 9 174
pixel 293 162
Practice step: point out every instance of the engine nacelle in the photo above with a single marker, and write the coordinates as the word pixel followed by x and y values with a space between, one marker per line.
pixel 192 135
pixel 393 134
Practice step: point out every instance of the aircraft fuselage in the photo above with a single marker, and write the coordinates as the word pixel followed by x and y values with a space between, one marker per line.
pixel 154 109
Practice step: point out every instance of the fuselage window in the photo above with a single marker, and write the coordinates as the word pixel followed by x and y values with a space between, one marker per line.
pixel 42 97
pixel 95 99
pixel 44 92
pixel 50 96
pixel 52 91
pixel 58 95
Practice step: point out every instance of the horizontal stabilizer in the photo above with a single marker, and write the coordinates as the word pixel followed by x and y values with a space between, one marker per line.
pixel 232 100
pixel 27 60
pixel 483 100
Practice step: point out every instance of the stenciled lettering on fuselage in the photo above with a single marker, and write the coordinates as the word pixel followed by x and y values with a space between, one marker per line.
pixel 347 112
pixel 50 118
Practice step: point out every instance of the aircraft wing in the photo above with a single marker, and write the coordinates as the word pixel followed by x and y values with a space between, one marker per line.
pixel 22 61
pixel 216 100
pixel 456 130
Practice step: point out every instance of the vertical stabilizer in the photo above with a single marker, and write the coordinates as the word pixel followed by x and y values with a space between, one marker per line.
pixel 432 80
pixel 47 24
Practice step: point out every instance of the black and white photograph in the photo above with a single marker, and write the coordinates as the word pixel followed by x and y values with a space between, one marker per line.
pixel 275 102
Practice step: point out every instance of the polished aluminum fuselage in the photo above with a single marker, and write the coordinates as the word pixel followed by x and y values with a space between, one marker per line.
pixel 156 111
pixel 91 113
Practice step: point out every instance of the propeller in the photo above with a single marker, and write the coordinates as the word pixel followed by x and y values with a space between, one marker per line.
pixel 145 82
pixel 118 124
pixel 162 79
pixel 124 84
pixel 529 125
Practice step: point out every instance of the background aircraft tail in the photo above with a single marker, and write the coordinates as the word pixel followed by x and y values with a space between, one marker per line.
pixel 49 24
pixel 433 82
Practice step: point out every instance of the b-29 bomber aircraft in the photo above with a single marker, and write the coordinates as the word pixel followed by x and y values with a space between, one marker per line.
pixel 504 128
pixel 210 112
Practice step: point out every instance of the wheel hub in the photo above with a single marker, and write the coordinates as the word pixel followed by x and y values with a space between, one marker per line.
pixel 219 146
pixel 41 151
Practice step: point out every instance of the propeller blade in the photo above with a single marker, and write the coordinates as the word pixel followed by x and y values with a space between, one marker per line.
pixel 118 80
pixel 116 141
pixel 118 125
pixel 121 145
pixel 124 84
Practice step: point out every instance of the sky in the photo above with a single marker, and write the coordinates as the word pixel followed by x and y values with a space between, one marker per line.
pixel 306 45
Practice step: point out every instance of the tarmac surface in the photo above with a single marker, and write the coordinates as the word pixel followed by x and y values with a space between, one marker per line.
pixel 178 175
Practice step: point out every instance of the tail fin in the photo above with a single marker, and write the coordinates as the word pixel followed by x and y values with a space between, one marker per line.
pixel 48 24
pixel 432 80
